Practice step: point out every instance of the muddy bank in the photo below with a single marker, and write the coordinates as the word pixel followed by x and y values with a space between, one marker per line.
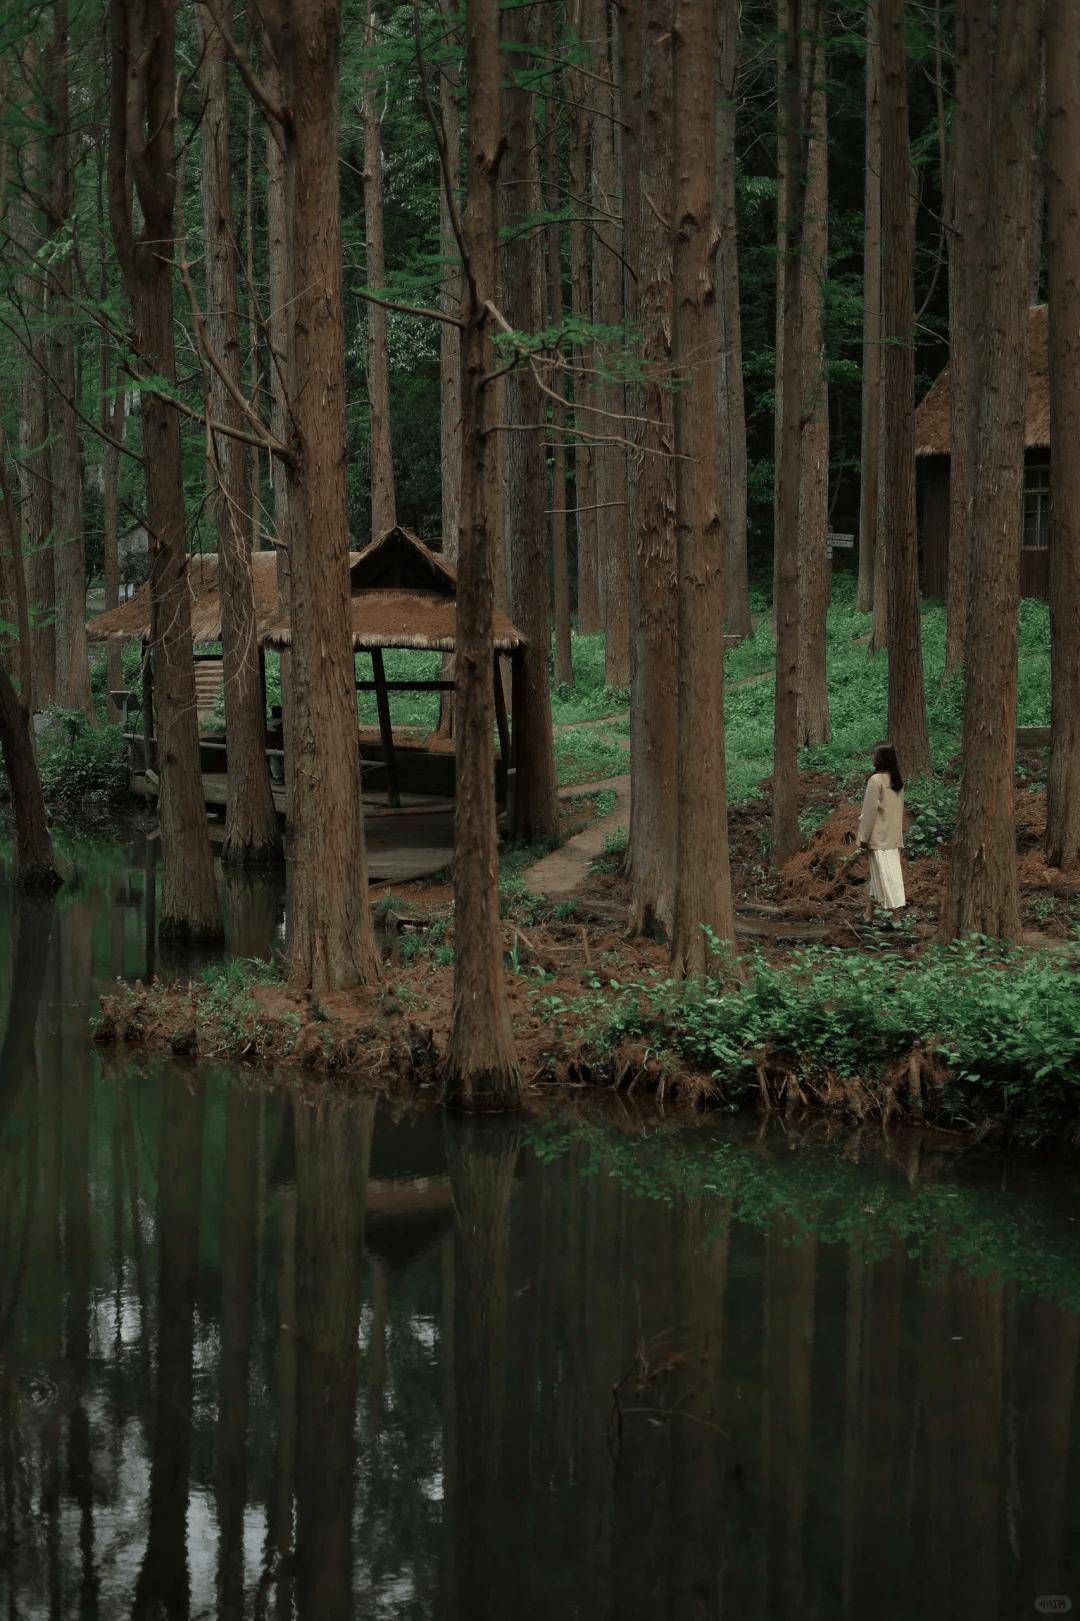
pixel 984 1044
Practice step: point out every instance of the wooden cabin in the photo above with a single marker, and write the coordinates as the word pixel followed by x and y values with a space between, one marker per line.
pixel 402 595
pixel 933 449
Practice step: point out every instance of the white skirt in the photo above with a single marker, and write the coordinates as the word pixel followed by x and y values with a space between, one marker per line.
pixel 887 879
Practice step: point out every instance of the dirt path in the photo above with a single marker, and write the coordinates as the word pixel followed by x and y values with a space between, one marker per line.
pixel 564 869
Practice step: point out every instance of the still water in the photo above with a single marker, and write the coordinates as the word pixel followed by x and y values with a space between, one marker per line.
pixel 278 1354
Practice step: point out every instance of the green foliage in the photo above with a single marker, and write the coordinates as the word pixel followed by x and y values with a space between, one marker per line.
pixel 934 806
pixel 588 754
pixel 588 698
pixel 82 767
pixel 1006 1022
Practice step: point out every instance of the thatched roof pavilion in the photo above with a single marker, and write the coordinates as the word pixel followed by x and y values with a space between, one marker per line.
pixel 403 595
pixel 130 621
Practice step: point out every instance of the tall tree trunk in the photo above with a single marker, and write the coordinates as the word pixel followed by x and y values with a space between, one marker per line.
pixel 142 133
pixel 72 664
pixel 790 206
pixel 112 424
pixel 112 420
pixel 814 574
pixel 983 893
pixel 653 694
pixel 251 831
pixel 481 1065
pixel 966 217
pixel 907 694
pixel 450 338
pixel 564 661
pixel 383 505
pixel 35 868
pixel 280 334
pixel 871 341
pixel 35 459
pixel 536 808
pixel 450 300
pixel 702 869
pixel 609 460
pixel 731 402
pixel 331 939
pixel 586 524
pixel 1063 204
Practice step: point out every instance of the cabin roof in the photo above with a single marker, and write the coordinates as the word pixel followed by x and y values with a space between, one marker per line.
pixel 933 427
pixel 420 619
pixel 403 595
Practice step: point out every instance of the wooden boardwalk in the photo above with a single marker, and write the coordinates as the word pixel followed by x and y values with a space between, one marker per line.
pixel 414 840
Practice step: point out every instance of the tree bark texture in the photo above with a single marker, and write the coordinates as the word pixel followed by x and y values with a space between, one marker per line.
pixel 280 333
pixel 585 513
pixel 1063 210
pixel 35 868
pixel 609 460
pixel 69 565
pixel 702 868
pixel 535 806
pixel 790 206
pixel 35 460
pixel 983 891
pixel 966 216
pixel 564 660
pixel 481 1065
pixel 142 134
pixel 450 300
pixel 907 694
pixel 731 402
pixel 251 830
pixel 655 629
pixel 331 939
pixel 871 345
pixel 814 571
pixel 450 339
pixel 383 503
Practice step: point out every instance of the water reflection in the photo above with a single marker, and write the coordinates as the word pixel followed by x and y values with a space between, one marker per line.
pixel 262 1356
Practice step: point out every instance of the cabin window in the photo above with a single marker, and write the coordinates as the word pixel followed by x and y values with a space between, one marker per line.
pixel 1036 537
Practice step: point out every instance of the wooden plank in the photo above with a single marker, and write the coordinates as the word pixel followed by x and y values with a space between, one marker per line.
pixel 405 686
pixel 383 703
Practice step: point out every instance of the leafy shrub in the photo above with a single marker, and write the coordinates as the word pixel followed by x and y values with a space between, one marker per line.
pixel 934 807
pixel 81 766
pixel 1006 1022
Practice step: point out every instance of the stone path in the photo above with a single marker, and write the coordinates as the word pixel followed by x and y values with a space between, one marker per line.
pixel 565 868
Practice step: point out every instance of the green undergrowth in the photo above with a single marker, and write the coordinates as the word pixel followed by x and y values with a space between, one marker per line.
pixel 998 1027
pixel 817 1191
pixel 83 767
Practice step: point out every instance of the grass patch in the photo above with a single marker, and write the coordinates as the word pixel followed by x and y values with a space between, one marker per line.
pixel 1002 1024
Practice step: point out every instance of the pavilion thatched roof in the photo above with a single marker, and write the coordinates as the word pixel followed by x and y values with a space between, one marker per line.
pixel 131 620
pixel 933 427
pixel 402 595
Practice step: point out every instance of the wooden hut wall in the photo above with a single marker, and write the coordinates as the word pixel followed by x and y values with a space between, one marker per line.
pixel 933 510
pixel 933 488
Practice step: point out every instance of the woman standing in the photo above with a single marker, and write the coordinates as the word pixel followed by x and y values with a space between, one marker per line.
pixel 881 832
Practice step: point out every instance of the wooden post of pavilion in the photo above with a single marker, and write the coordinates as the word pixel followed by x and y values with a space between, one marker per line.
pixel 382 699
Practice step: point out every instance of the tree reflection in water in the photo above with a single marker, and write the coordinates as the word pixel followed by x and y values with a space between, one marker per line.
pixel 269 1357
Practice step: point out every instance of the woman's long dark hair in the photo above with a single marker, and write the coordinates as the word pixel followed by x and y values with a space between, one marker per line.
pixel 885 760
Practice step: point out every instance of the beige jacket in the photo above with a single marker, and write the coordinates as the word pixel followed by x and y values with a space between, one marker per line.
pixel 881 825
